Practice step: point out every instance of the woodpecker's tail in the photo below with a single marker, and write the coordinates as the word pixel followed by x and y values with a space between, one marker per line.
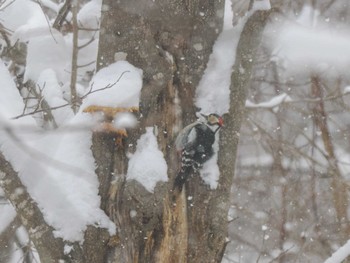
pixel 181 178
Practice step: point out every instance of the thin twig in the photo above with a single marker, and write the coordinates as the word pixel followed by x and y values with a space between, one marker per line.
pixel 308 100
pixel 86 65
pixel 62 14
pixel 4 33
pixel 281 254
pixel 3 8
pixel 107 87
pixel 53 7
pixel 88 29
pixel 37 110
pixel 47 19
pixel 87 43
pixel 232 220
pixel 262 247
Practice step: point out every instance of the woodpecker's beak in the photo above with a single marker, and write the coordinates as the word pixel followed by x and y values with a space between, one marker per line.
pixel 203 115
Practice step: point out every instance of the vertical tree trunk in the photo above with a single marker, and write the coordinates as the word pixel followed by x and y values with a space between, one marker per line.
pixel 338 186
pixel 278 168
pixel 246 52
pixel 74 69
pixel 171 42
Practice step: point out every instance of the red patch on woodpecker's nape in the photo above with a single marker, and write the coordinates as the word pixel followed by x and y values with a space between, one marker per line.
pixel 221 122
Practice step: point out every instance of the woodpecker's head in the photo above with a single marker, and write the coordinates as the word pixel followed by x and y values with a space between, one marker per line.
pixel 214 119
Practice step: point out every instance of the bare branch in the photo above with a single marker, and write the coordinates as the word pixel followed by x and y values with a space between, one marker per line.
pixel 87 64
pixel 62 14
pixel 48 4
pixel 288 102
pixel 75 100
pixel 48 109
pixel 26 249
pixel 47 19
pixel 6 238
pixel 87 43
pixel 88 29
pixel 4 33
pixel 107 87
pixel 39 110
pixel 2 8
pixel 42 104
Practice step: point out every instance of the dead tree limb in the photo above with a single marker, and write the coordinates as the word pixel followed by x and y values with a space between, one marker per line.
pixel 62 14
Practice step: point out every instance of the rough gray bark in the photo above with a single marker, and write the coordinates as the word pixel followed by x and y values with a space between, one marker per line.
pixel 245 57
pixel 212 212
pixel 171 41
pixel 74 69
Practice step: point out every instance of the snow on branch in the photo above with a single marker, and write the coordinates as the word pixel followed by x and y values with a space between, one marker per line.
pixel 261 5
pixel 310 45
pixel 103 90
pixel 272 103
pixel 68 199
pixel 31 217
pixel 108 86
pixel 346 90
pixel 341 254
pixel 147 152
pixel 50 108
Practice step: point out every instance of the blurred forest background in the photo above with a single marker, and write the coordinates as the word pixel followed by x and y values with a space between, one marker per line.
pixel 290 191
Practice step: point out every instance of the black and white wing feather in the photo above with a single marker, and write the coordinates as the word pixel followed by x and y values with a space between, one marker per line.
pixel 186 137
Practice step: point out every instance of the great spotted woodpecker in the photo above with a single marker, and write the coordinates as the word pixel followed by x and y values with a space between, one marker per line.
pixel 195 146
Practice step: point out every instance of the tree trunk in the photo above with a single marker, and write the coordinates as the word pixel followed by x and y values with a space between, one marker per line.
pixel 338 186
pixel 171 42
